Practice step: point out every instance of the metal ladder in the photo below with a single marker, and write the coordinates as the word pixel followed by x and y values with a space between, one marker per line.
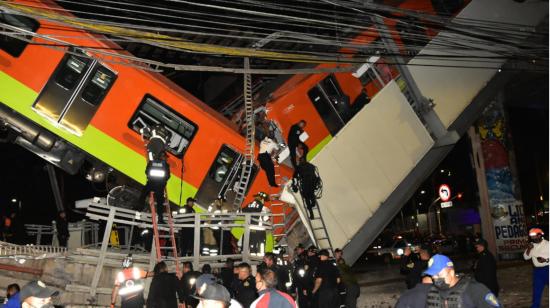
pixel 157 236
pixel 279 220
pixel 319 229
pixel 248 161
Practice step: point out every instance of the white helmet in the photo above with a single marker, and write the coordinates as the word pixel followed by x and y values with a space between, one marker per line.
pixel 128 261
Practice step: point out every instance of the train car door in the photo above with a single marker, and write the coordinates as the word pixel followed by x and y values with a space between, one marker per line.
pixel 331 103
pixel 74 92
pixel 222 176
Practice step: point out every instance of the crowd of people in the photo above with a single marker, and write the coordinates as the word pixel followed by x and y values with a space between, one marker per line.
pixel 433 282
pixel 312 279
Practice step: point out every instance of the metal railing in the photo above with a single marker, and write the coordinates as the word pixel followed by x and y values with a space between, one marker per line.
pixel 30 251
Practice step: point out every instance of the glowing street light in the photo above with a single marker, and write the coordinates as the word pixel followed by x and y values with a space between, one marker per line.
pixel 14 200
pixel 422 192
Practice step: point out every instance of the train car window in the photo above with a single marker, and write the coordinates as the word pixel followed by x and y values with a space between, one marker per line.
pixel 222 176
pixel 97 88
pixel 71 72
pixel 11 45
pixel 152 112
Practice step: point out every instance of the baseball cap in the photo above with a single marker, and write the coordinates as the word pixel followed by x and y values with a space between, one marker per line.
pixel 36 289
pixel 204 279
pixel 215 292
pixel 323 252
pixel 437 263
pixel 535 231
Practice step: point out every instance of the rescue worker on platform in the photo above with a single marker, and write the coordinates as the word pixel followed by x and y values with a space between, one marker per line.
pixel 414 264
pixel 294 140
pixel 327 278
pixel 537 251
pixel 129 285
pixel 485 267
pixel 268 151
pixel 187 234
pixel 447 289
pixel 244 288
pixel 257 230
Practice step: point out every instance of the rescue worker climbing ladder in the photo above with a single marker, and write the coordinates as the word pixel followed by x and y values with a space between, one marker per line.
pixel 257 230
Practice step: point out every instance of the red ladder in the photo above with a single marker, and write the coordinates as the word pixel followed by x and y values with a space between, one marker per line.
pixel 157 235
pixel 279 220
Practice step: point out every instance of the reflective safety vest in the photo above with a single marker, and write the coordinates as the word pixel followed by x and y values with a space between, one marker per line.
pixel 130 281
pixel 452 300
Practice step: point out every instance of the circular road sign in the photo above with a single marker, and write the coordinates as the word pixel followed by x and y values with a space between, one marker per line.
pixel 444 192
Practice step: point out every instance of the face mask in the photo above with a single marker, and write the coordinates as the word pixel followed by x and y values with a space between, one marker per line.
pixel 440 283
pixel 536 240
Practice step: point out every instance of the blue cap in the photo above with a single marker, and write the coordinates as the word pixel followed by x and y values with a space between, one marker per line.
pixel 437 263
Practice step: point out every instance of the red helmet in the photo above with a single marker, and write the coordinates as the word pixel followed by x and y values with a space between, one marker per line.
pixel 535 232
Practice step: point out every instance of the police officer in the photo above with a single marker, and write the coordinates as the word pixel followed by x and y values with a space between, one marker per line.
pixel 257 230
pixel 327 278
pixel 447 290
pixel 244 288
pixel 299 279
pixel 187 235
pixel 413 264
pixel 269 262
pixel 485 267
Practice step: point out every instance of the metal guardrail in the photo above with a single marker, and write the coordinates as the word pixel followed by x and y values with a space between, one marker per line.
pixel 30 251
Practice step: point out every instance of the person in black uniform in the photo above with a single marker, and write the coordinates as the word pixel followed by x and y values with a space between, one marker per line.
pixel 164 290
pixel 62 225
pixel 227 274
pixel 157 170
pixel 294 140
pixel 305 178
pixel 327 278
pixel 485 267
pixel 413 264
pixel 299 276
pixel 244 288
pixel 257 233
pixel 187 235
pixel 187 284
pixel 447 290
pixel 282 275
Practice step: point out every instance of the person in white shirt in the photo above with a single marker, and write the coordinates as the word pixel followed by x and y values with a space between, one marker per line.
pixel 268 148
pixel 537 251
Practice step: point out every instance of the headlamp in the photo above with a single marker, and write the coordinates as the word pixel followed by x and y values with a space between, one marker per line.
pixel 301 272
pixel 399 252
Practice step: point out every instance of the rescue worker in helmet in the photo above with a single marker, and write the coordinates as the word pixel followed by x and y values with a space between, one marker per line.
pixel 257 228
pixel 157 170
pixel 129 285
pixel 537 251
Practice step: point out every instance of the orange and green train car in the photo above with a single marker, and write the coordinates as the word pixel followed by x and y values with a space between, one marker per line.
pixel 69 108
pixel 328 101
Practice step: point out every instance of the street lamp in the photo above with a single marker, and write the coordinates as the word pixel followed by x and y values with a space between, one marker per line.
pixel 13 200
